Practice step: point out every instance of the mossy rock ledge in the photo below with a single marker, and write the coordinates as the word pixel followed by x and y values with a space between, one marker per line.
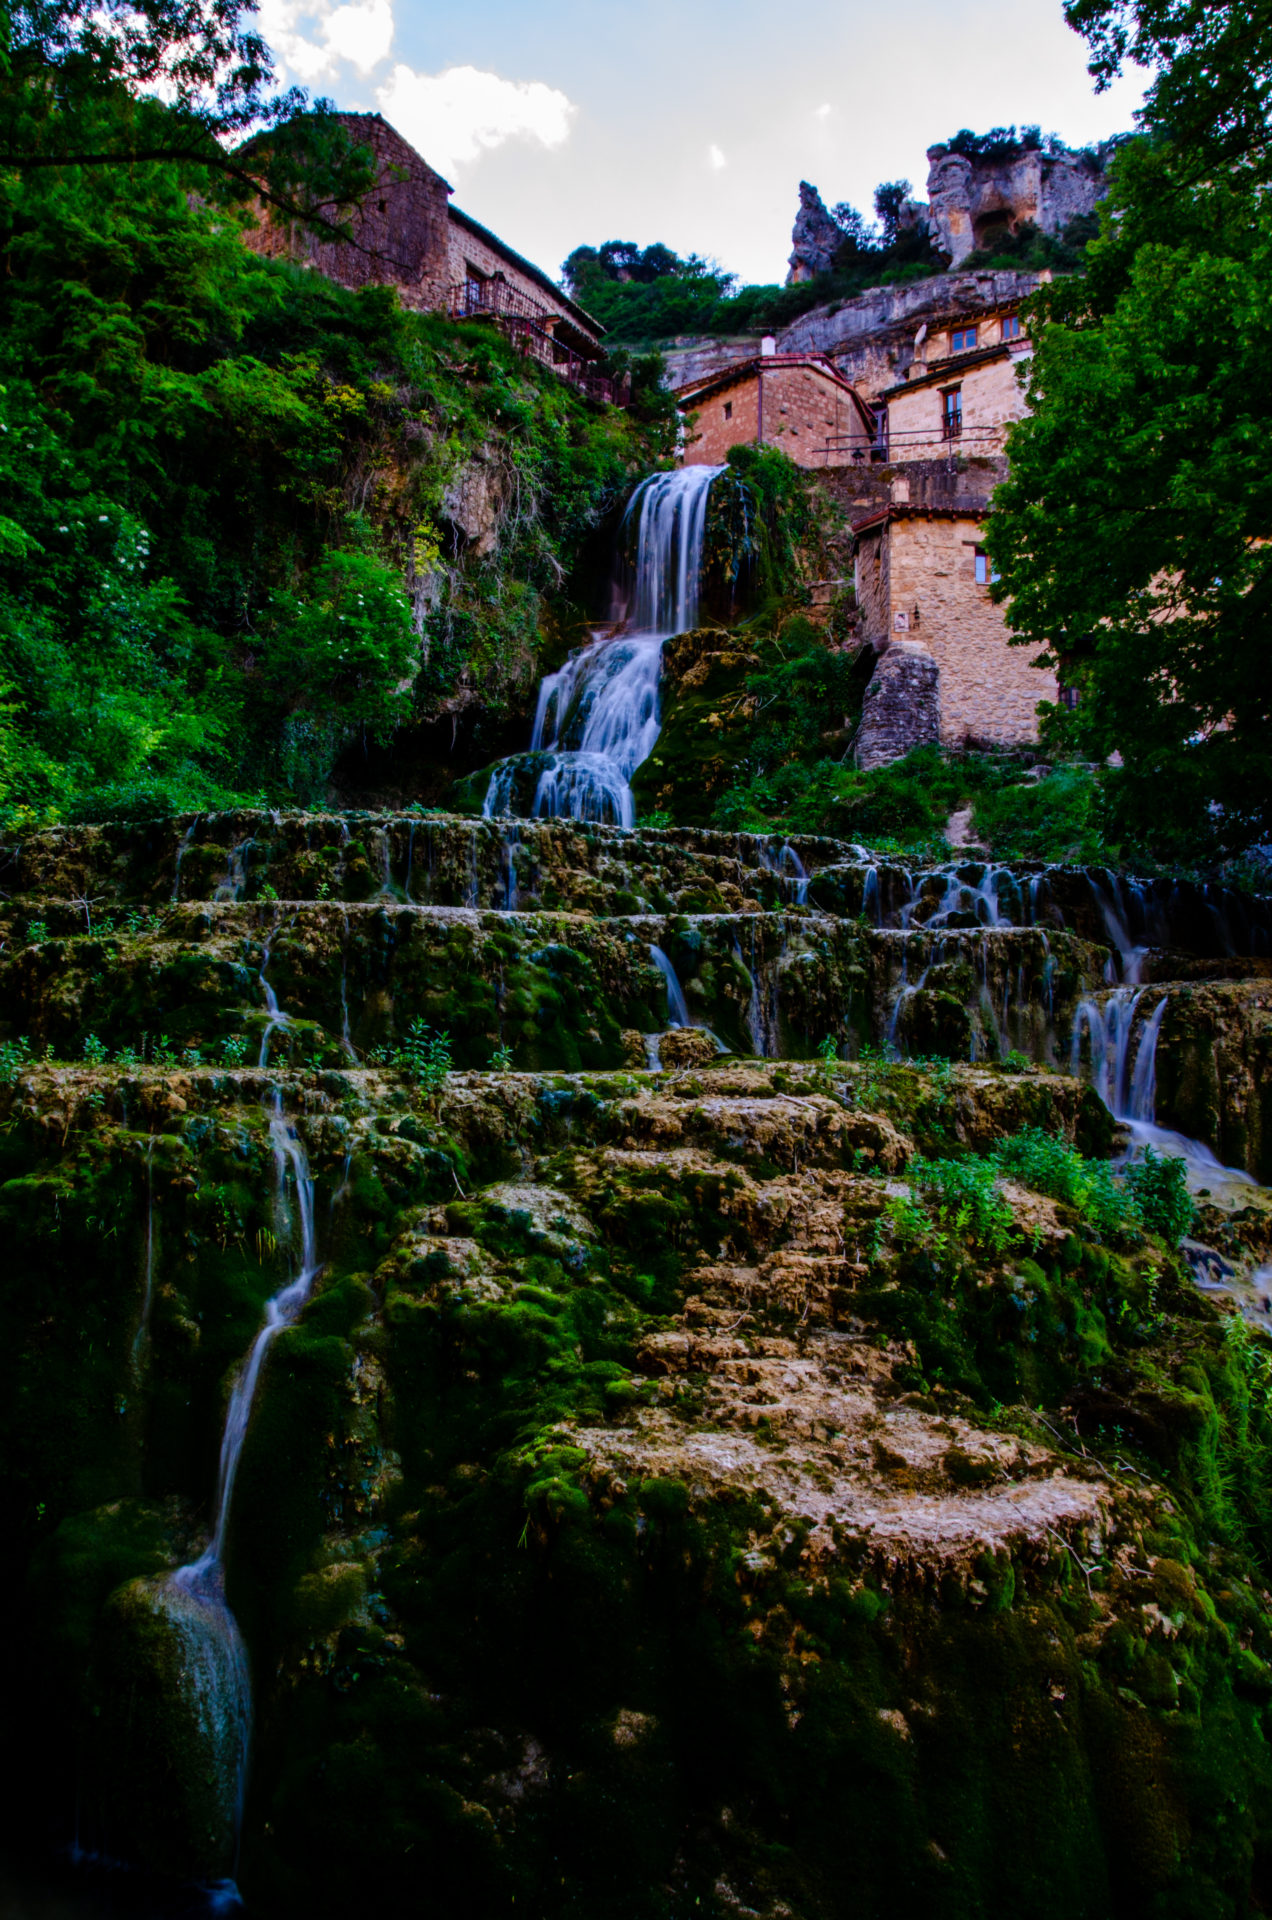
pixel 644 1516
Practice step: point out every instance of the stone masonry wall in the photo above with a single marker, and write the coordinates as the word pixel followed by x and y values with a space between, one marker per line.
pixel 468 249
pixel 874 589
pixel 709 438
pixel 992 399
pixel 400 232
pixel 802 411
pixel 989 691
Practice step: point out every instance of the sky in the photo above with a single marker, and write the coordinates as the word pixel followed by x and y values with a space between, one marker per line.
pixel 569 122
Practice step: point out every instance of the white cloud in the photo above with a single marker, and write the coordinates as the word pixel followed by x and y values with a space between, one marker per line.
pixel 360 35
pixel 821 113
pixel 453 116
pixel 715 159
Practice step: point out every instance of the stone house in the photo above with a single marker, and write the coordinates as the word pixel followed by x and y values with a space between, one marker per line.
pixel 961 391
pixel 407 234
pixel 923 580
pixel 797 402
pixel 913 461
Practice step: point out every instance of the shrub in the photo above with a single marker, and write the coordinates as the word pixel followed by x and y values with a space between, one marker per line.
pixel 14 1056
pixel 965 1197
pixel 425 1056
pixel 96 1051
pixel 1158 1185
pixel 1051 1166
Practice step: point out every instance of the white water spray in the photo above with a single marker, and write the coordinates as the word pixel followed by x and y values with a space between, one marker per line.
pixel 598 717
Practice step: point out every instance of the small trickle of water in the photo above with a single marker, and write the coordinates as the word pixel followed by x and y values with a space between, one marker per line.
pixel 193 1599
pixel 187 840
pixel 677 1005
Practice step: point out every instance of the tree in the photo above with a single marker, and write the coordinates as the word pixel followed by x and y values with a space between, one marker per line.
pixel 1131 537
pixel 1213 90
pixel 99 83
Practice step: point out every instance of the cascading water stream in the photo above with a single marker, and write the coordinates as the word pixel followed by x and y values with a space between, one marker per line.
pixel 598 717
pixel 217 1675
pixel 1125 1078
pixel 677 1005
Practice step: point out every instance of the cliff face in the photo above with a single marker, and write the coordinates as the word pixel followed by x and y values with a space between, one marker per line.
pixel 971 200
pixel 871 338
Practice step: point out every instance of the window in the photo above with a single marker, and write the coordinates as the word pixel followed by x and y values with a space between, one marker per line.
pixel 962 338
pixel 951 412
pixel 728 409
pixel 879 433
pixel 986 571
pixel 1069 698
pixel 1011 326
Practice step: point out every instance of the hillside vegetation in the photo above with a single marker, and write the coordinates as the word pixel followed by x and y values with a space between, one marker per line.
pixel 252 519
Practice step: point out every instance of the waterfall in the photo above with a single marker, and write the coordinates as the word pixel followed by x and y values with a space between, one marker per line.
pixel 214 1657
pixel 277 1018
pixel 597 717
pixel 1126 1080
pixel 677 1005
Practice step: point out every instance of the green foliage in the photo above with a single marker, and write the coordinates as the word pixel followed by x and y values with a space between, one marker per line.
pixel 1158 1184
pixel 95 1051
pixel 966 1199
pixel 1056 818
pixel 15 1056
pixel 660 294
pixel 234 1049
pixel 1131 535
pixel 219 474
pixel 1049 1165
pixel 501 1060
pixel 424 1056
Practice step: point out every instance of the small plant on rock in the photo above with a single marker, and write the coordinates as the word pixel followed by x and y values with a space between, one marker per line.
pixel 96 1051
pixel 15 1055
pixel 828 1050
pixel 234 1050
pixel 501 1059
pixel 1158 1185
pixel 36 932
pixel 425 1056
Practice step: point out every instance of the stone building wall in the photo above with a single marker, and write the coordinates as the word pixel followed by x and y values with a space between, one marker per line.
pixel 923 589
pixel 874 586
pixel 724 419
pixel 991 396
pixel 808 413
pixel 400 232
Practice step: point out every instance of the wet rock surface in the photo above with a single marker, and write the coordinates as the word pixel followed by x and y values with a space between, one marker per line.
pixel 665 1501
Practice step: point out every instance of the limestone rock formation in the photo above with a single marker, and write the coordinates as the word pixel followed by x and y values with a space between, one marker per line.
pixel 726 1438
pixel 901 709
pixel 972 200
pixel 815 237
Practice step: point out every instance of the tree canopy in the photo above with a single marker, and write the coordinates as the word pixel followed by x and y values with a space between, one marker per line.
pixel 122 82
pixel 1133 534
